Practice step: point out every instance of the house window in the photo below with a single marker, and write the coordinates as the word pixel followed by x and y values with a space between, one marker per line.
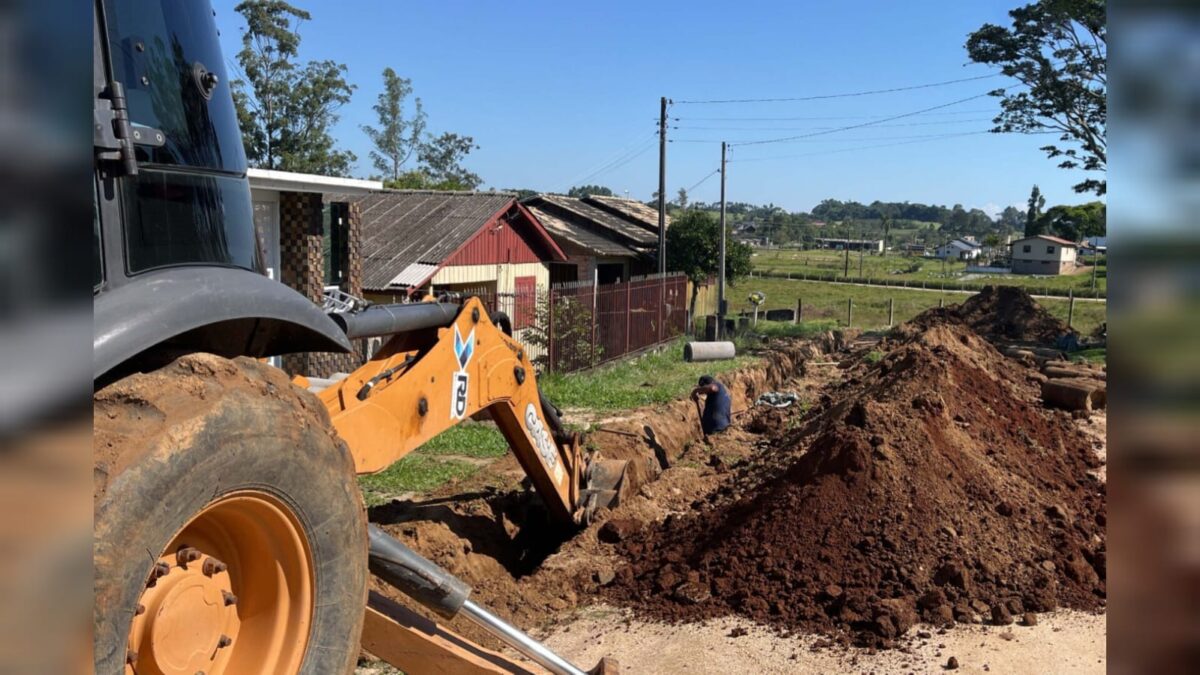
pixel 335 244
pixel 1049 249
pixel 1027 248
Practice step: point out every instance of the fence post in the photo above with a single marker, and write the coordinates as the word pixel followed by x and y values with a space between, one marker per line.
pixel 891 312
pixel 1070 306
pixel 799 310
pixel 595 307
pixel 849 312
pixel 628 314
pixel 662 301
pixel 941 302
pixel 550 351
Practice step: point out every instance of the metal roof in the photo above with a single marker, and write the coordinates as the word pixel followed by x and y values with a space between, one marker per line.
pixel 631 209
pixel 611 225
pixel 564 230
pixel 405 228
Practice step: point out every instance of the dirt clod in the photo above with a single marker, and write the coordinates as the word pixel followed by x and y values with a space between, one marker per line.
pixel 952 663
pixel 618 530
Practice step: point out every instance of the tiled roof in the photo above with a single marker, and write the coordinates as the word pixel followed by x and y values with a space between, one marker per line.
pixel 564 229
pixel 601 221
pixel 631 209
pixel 404 228
pixel 1057 240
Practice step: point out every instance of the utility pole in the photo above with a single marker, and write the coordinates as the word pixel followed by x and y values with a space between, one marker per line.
pixel 721 255
pixel 662 185
pixel 861 249
pixel 846 248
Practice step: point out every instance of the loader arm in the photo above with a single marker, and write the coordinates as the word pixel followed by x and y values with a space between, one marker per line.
pixel 422 382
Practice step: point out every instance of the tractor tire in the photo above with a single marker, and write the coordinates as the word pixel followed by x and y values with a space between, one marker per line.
pixel 230 533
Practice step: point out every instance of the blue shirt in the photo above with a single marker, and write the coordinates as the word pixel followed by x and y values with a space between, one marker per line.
pixel 716 410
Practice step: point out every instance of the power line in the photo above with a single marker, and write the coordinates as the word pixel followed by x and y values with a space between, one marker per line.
pixel 817 118
pixel 935 137
pixel 702 180
pixel 613 166
pixel 866 124
pixel 876 138
pixel 616 159
pixel 878 126
pixel 847 95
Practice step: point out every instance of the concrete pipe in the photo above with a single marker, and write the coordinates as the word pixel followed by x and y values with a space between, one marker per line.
pixel 708 351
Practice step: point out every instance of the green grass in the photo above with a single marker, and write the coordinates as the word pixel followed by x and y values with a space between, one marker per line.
pixel 874 356
pixel 656 377
pixel 1096 355
pixel 804 329
pixel 896 268
pixel 469 440
pixel 415 473
pixel 827 302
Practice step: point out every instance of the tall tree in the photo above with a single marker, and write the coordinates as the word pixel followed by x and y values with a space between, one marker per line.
pixel 441 161
pixel 1034 213
pixel 585 190
pixel 693 247
pixel 398 136
pixel 286 109
pixel 683 198
pixel 1058 51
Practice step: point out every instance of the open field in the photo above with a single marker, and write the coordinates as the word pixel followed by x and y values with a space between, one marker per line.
pixel 827 301
pixel 895 268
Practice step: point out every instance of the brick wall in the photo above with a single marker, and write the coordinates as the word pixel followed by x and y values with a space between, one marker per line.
pixel 302 268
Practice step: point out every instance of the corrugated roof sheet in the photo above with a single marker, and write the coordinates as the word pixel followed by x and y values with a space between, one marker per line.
pixel 624 230
pixel 645 216
pixel 414 274
pixel 401 228
pixel 563 229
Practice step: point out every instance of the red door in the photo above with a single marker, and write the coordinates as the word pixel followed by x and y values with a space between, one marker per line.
pixel 525 303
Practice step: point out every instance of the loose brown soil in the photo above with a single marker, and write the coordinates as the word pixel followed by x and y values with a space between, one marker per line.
pixel 931 485
pixel 998 312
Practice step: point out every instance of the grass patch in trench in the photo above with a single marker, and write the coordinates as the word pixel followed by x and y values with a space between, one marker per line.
pixel 429 467
pixel 1098 355
pixel 414 473
pixel 655 377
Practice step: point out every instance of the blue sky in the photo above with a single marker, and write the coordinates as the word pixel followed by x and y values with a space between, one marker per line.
pixel 560 93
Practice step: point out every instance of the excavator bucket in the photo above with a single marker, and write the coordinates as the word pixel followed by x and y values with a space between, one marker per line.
pixel 604 483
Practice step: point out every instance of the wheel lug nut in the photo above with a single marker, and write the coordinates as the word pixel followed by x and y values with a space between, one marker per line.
pixel 224 641
pixel 131 657
pixel 185 555
pixel 159 569
pixel 230 598
pixel 139 610
pixel 212 566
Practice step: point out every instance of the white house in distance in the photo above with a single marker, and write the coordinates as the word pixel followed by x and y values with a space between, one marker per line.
pixel 958 249
pixel 1043 254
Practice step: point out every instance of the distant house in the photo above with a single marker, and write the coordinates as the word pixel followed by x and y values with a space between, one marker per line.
pixel 958 249
pixel 605 239
pixel 913 248
pixel 1094 246
pixel 1043 254
pixel 416 241
pixel 873 245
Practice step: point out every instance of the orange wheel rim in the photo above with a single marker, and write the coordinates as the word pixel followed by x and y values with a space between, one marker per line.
pixel 232 593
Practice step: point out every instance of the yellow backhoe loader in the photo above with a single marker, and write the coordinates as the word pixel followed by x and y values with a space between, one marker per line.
pixel 230 533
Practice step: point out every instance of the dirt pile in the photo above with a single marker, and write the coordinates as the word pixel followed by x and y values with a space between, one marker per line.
pixel 930 485
pixel 998 312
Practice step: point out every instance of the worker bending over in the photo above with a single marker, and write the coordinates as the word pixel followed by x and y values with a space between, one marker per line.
pixel 717 404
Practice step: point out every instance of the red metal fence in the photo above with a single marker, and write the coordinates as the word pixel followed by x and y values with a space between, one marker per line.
pixel 580 325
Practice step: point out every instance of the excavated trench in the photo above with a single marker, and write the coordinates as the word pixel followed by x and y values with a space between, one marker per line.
pixel 921 479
